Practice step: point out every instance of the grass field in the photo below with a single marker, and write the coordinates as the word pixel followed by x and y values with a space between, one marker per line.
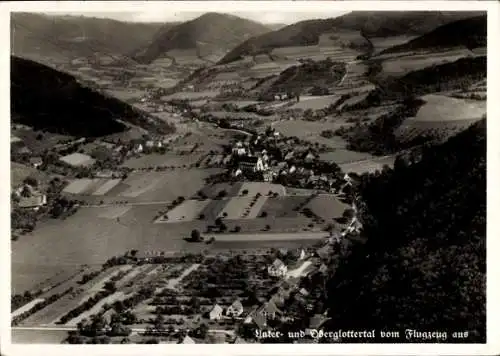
pixel 20 336
pixel 167 159
pixel 113 212
pixel 235 207
pixel 188 210
pixel 191 95
pixel 381 43
pixel 283 207
pixel 211 191
pixel 343 155
pixel 310 131
pixel 213 209
pixel 444 108
pixel 370 166
pixel 96 186
pixel 327 206
pixel 315 102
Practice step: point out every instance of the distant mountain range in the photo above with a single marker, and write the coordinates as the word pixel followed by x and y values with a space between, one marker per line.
pixel 369 24
pixel 469 33
pixel 208 33
pixel 69 37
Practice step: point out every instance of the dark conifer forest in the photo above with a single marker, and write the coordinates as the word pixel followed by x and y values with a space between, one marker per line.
pixel 424 264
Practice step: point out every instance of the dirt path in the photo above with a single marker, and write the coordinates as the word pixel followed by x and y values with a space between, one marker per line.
pixel 297 273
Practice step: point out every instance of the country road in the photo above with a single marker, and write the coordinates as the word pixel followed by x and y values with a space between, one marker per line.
pixel 161 202
pixel 71 328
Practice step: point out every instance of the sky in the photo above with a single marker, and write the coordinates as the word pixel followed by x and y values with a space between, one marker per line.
pixel 268 17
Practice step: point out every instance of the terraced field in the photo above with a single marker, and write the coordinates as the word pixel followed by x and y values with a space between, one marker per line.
pixel 398 65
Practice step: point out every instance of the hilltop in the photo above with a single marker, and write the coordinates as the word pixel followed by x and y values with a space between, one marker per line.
pixel 424 264
pixel 69 37
pixel 208 33
pixel 44 98
pixel 367 24
pixel 469 33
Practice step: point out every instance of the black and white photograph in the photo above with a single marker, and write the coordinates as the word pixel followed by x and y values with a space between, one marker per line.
pixel 214 175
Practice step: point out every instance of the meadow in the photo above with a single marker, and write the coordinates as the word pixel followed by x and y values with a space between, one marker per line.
pixel 402 64
pixel 445 108
pixel 315 102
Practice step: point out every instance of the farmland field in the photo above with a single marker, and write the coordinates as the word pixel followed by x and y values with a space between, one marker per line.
pixel 381 43
pixel 443 108
pixel 191 95
pixel 113 212
pixel 310 131
pixel 327 206
pixel 213 209
pixel 188 210
pixel 231 190
pixel 281 207
pixel 343 156
pixel 272 236
pixel 236 207
pixel 315 102
pixel 167 159
pixel 405 64
pixel 167 185
pixel 371 165
pixel 26 336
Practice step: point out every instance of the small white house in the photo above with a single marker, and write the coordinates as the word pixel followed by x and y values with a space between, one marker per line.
pixel 235 309
pixel 260 166
pixel 302 254
pixel 216 312
pixel 277 268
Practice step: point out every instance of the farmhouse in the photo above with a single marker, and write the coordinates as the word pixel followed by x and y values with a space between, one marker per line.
pixel 256 318
pixel 277 268
pixel 216 312
pixel 33 202
pixel 78 160
pixel 36 161
pixel 269 310
pixel 187 340
pixel 235 309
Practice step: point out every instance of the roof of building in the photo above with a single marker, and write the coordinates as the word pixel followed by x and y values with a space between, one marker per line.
pixel 278 263
pixel 187 340
pixel 32 201
pixel 216 309
pixel 237 304
pixel 36 159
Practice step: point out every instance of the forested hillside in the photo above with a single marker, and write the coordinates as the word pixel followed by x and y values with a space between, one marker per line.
pixel 47 99
pixel 424 265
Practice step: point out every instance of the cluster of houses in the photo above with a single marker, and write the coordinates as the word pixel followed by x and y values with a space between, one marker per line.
pixel 298 162
pixel 233 311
